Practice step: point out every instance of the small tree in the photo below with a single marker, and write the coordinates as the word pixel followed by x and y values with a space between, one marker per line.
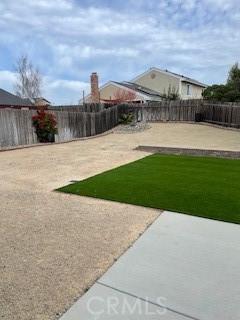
pixel 215 92
pixel 29 80
pixel 45 125
pixel 122 95
pixel 234 77
pixel 172 93
pixel 229 92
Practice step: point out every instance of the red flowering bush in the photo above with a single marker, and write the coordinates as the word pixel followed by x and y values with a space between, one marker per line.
pixel 45 125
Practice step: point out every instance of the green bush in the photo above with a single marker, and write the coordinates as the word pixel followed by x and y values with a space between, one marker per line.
pixel 126 118
pixel 229 92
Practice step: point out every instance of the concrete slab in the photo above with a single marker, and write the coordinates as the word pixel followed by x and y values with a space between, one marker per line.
pixel 182 267
pixel 103 303
pixel 192 262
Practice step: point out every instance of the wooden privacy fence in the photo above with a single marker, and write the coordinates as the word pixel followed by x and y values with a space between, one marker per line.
pixel 16 125
pixel 186 110
pixel 73 125
pixel 16 128
pixel 221 114
pixel 89 107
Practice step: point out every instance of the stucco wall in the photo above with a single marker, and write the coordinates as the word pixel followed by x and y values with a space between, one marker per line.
pixel 195 91
pixel 158 81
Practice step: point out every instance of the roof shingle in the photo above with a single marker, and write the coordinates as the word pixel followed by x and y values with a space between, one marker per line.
pixel 9 99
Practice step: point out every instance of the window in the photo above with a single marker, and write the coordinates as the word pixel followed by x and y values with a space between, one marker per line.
pixel 188 90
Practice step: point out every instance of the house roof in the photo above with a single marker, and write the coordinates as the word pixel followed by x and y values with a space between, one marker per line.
pixel 41 99
pixel 176 75
pixel 140 89
pixel 146 93
pixel 9 99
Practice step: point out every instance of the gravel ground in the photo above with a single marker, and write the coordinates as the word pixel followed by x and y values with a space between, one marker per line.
pixel 132 128
pixel 54 245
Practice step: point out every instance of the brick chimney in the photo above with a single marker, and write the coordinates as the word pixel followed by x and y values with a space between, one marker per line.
pixel 95 96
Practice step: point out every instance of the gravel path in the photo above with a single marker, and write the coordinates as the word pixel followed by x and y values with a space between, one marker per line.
pixel 54 245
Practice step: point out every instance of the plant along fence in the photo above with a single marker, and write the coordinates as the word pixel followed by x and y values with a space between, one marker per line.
pixel 45 125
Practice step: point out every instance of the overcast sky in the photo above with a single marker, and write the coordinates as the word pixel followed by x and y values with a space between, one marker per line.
pixel 69 39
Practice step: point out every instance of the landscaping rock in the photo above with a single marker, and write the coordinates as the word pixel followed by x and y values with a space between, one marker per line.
pixel 132 127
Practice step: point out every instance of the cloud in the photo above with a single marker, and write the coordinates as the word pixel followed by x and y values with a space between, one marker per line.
pixel 58 91
pixel 7 76
pixel 7 80
pixel 68 53
pixel 52 5
pixel 68 39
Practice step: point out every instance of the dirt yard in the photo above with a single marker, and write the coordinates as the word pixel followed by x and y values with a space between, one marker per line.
pixel 53 245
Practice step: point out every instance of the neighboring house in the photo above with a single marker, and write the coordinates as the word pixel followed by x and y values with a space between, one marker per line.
pixel 41 102
pixel 151 85
pixel 111 90
pixel 9 100
pixel 161 80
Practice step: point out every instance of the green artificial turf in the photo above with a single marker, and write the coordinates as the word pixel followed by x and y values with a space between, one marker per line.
pixel 202 186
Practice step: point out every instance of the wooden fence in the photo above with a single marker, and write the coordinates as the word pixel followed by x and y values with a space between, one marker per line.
pixel 222 114
pixel 16 128
pixel 184 110
pixel 88 107
pixel 73 125
pixel 16 125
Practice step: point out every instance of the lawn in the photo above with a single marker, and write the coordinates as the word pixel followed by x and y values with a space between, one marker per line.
pixel 201 186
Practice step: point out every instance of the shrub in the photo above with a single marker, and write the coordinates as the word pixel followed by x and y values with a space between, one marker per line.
pixel 172 93
pixel 126 118
pixel 45 126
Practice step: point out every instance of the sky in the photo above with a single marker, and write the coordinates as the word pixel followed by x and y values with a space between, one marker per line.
pixel 69 39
